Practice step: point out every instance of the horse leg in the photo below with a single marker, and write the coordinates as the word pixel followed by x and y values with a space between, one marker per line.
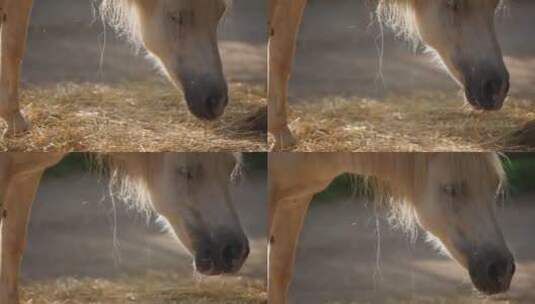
pixel 285 225
pixel 284 21
pixel 14 20
pixel 20 194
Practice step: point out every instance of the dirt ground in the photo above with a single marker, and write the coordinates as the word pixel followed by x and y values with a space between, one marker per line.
pixel 338 68
pixel 71 249
pixel 68 44
pixel 337 260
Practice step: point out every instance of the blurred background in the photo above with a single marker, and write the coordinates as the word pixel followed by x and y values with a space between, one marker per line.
pixel 78 252
pixel 68 42
pixel 349 253
pixel 340 45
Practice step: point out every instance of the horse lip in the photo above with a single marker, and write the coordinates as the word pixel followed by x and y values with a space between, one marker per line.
pixel 205 266
pixel 235 267
pixel 477 105
pixel 237 263
pixel 491 288
pixel 472 100
pixel 238 255
pixel 210 268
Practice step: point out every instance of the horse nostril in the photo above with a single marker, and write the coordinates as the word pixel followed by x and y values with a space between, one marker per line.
pixel 215 106
pixel 493 92
pixel 233 256
pixel 491 87
pixel 494 271
pixel 204 260
pixel 230 253
pixel 217 102
pixel 207 100
pixel 500 271
pixel 204 265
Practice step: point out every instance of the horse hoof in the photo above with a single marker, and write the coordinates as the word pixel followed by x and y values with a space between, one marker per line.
pixel 283 141
pixel 16 125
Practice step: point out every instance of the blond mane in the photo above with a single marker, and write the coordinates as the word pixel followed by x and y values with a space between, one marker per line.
pixel 130 175
pixel 121 15
pixel 397 179
pixel 399 16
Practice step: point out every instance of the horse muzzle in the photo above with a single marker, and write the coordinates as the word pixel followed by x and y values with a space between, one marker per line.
pixel 492 271
pixel 221 257
pixel 206 98
pixel 487 90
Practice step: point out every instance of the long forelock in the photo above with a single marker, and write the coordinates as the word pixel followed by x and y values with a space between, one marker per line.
pixel 398 192
pixel 121 15
pixel 129 182
pixel 130 176
pixel 399 16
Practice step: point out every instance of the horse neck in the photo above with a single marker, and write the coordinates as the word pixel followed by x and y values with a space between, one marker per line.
pixel 27 163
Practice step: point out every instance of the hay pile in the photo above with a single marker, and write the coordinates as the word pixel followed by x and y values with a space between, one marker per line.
pixel 140 116
pixel 154 288
pixel 426 121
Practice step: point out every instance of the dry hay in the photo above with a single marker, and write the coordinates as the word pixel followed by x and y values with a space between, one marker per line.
pixel 137 116
pixel 426 121
pixel 154 288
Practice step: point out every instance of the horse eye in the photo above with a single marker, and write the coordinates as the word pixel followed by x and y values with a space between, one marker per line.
pixel 183 17
pixel 450 190
pixel 453 190
pixel 177 18
pixel 185 172
pixel 454 5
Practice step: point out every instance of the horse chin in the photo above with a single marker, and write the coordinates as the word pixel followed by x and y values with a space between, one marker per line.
pixel 205 267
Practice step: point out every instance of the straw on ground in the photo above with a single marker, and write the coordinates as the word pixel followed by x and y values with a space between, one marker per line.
pixel 137 116
pixel 425 121
pixel 153 288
